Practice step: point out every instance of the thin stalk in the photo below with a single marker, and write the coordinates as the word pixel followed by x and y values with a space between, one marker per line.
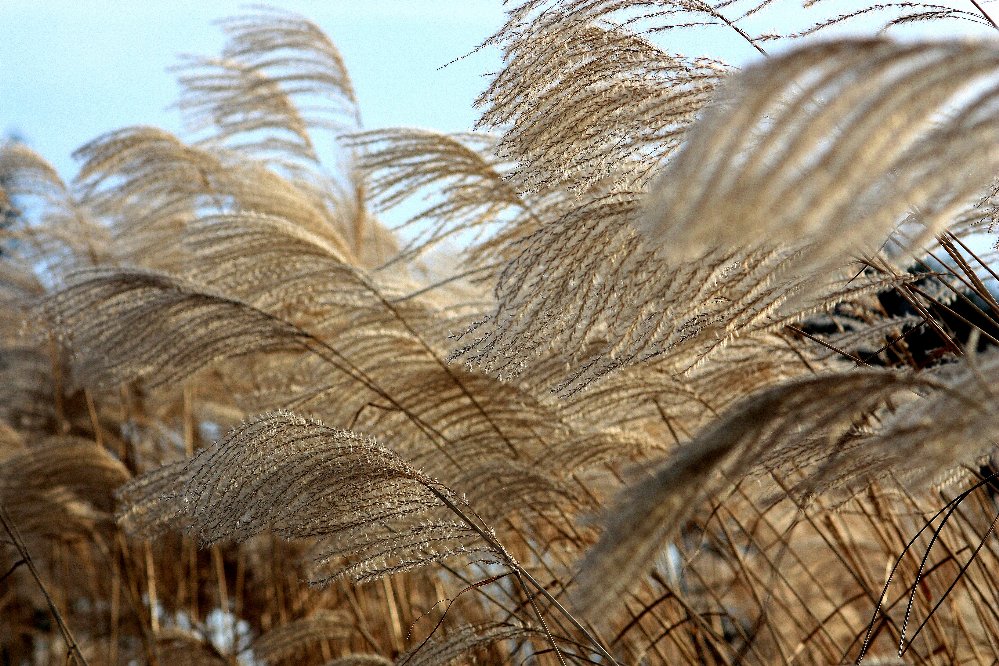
pixel 22 549
pixel 520 571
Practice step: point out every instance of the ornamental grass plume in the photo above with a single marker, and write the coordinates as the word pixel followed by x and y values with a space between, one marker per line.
pixel 711 379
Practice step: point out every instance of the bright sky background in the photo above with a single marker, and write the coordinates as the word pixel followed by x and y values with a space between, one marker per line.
pixel 73 69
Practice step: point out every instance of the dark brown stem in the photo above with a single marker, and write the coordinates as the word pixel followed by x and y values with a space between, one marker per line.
pixel 15 536
pixel 981 10
pixel 742 33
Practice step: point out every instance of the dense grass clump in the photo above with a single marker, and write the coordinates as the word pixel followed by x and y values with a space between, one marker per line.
pixel 712 379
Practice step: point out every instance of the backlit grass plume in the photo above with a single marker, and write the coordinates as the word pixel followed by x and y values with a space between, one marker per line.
pixel 685 362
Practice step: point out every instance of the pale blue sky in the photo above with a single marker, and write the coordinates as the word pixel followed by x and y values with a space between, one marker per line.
pixel 73 69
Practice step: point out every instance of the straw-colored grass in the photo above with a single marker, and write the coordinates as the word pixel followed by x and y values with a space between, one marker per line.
pixel 713 378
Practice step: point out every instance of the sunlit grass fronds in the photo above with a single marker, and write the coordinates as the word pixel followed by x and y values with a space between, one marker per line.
pixel 280 75
pixel 750 24
pixel 822 411
pixel 26 386
pixel 164 330
pixel 479 423
pixel 28 174
pixel 147 501
pixel 55 514
pixel 285 641
pixel 952 424
pixel 373 513
pixel 986 210
pixel 80 466
pixel 234 100
pixel 890 14
pixel 61 490
pixel 291 50
pixel 749 224
pixel 148 171
pixel 657 398
pixel 274 264
pixel 834 146
pixel 623 100
pixel 185 648
pixel 488 437
pixel 279 266
pixel 19 285
pixel 587 290
pixel 468 188
pixel 10 440
pixel 593 240
pixel 360 660
pixel 729 310
pixel 150 184
pixel 464 641
pixel 50 231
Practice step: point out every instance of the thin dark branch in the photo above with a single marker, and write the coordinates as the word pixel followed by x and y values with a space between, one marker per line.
pixel 22 549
